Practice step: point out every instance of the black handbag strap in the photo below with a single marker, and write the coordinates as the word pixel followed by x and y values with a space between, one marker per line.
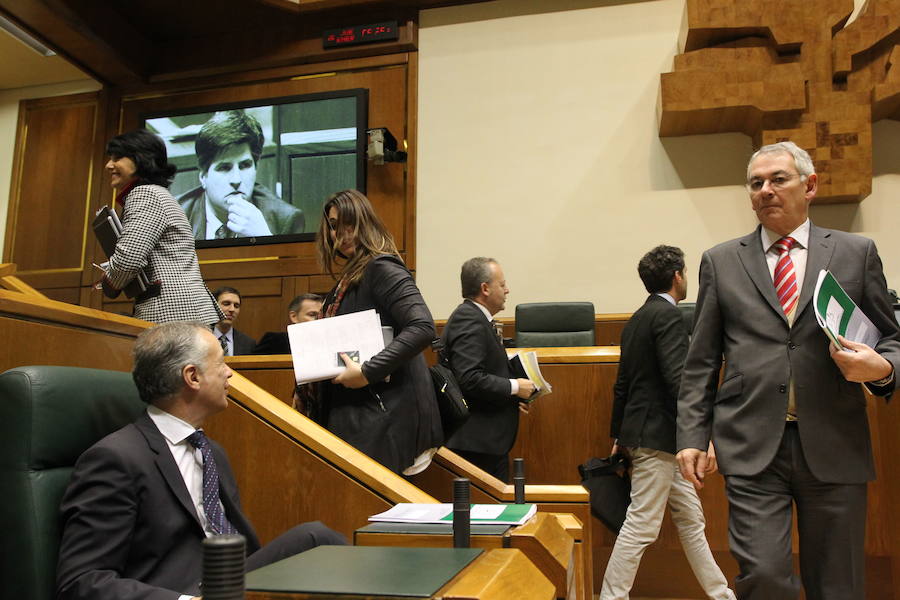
pixel 437 345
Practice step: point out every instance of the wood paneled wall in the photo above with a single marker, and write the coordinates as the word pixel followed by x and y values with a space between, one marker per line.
pixel 59 182
pixel 54 168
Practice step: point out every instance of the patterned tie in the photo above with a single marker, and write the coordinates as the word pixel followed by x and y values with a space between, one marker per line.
pixel 498 330
pixel 212 505
pixel 223 341
pixel 784 278
pixel 223 232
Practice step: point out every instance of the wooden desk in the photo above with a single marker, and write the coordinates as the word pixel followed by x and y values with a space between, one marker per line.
pixel 543 539
pixel 364 573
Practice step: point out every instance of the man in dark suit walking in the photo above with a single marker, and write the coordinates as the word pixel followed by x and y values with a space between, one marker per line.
pixel 654 344
pixel 142 499
pixel 789 419
pixel 474 348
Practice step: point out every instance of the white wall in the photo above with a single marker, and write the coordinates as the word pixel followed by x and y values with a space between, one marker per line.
pixel 9 115
pixel 538 146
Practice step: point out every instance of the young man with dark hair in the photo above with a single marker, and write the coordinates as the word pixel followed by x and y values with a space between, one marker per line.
pixel 234 342
pixel 229 202
pixel 654 345
pixel 141 500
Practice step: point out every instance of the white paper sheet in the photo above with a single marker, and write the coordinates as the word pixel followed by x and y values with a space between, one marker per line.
pixel 315 344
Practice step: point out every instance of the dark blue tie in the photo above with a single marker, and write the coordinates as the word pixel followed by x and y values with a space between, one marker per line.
pixel 212 505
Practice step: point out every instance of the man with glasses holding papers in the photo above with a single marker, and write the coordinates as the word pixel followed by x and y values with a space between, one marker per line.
pixel 789 419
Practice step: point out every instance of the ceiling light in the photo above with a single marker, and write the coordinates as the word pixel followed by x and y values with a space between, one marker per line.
pixel 26 38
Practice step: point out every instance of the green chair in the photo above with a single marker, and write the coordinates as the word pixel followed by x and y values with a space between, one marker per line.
pixel 48 417
pixel 545 324
pixel 687 314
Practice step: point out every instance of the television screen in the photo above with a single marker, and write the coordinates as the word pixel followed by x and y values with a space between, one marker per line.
pixel 259 172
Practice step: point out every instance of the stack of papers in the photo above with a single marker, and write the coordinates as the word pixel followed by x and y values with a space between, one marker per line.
pixel 316 345
pixel 501 514
pixel 838 314
pixel 526 364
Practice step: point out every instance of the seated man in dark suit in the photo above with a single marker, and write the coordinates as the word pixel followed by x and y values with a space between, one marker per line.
pixel 139 505
pixel 304 307
pixel 229 203
pixel 233 342
pixel 473 346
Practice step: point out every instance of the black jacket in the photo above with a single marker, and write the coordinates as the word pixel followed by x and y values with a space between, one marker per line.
pixel 393 421
pixel 273 342
pixel 654 346
pixel 482 369
pixel 243 343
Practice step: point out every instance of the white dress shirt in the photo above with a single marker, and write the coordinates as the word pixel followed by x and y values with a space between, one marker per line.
pixel 212 221
pixel 188 459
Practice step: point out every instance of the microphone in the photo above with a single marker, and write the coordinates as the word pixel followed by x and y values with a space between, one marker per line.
pixel 519 480
pixel 461 510
pixel 223 567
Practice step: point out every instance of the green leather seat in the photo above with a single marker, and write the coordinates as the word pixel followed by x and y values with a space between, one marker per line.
pixel 687 314
pixel 48 417
pixel 545 324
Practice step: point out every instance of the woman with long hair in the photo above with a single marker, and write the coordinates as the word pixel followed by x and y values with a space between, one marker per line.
pixel 156 237
pixel 385 407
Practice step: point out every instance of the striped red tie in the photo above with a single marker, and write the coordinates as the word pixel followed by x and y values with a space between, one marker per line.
pixel 785 279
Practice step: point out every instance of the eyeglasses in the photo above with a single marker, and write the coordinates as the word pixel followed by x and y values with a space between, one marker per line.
pixel 778 182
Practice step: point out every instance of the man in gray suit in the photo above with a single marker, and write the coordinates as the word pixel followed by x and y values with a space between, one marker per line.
pixel 789 419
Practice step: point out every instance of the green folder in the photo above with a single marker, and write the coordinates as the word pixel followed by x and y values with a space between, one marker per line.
pixel 363 570
pixel 432 528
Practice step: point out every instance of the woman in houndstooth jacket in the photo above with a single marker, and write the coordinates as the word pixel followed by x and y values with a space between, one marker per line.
pixel 156 236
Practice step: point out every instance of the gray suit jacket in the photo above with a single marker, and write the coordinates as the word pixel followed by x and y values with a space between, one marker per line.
pixel 738 319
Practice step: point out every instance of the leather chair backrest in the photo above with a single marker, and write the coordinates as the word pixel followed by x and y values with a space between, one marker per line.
pixel 48 417
pixel 687 314
pixel 545 324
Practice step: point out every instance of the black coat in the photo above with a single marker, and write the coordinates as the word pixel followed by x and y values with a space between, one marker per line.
pixel 654 346
pixel 243 343
pixel 273 342
pixel 482 369
pixel 393 421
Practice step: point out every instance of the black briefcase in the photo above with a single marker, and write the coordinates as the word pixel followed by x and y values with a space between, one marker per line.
pixel 607 481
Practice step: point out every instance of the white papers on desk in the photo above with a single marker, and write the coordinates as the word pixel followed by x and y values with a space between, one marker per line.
pixel 315 344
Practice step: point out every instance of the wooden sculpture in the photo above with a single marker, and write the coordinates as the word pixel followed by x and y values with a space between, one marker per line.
pixel 789 69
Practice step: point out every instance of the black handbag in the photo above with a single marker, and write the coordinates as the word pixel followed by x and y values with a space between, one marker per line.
pixel 610 487
pixel 451 403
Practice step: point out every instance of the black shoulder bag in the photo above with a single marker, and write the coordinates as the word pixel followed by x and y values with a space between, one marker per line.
pixel 451 403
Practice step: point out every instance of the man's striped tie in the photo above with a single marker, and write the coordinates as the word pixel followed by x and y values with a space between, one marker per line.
pixel 785 279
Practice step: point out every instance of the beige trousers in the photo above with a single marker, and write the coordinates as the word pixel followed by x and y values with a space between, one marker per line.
pixel 655 483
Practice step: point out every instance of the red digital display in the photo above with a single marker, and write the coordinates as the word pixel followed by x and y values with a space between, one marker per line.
pixel 361 34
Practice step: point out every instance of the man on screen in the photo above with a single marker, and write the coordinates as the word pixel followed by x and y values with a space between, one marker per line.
pixel 229 203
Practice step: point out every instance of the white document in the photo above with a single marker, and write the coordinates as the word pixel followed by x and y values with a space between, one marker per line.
pixel 528 362
pixel 315 345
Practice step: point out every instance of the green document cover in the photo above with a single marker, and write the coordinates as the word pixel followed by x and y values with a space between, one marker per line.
pixel 508 514
pixel 838 314
pixel 363 570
